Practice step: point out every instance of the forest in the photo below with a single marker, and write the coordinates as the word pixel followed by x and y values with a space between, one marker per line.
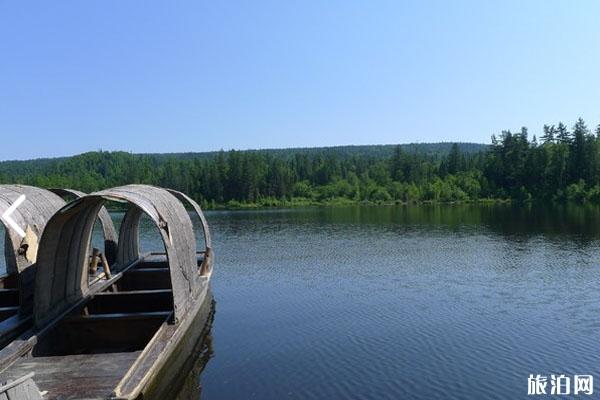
pixel 562 165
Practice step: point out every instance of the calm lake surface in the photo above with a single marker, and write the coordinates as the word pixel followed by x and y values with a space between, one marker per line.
pixel 427 302
pixel 459 302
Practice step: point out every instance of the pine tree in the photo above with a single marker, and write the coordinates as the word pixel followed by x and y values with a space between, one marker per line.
pixel 454 159
pixel 562 134
pixel 396 164
pixel 579 166
pixel 548 136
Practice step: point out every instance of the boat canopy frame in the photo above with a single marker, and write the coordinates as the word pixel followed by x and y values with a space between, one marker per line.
pixel 32 216
pixel 35 212
pixel 61 279
pixel 108 228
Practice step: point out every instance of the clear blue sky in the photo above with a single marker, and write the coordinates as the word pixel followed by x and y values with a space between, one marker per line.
pixel 147 76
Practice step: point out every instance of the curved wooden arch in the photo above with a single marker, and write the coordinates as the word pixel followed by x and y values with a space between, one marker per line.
pixel 61 279
pixel 206 267
pixel 32 216
pixel 108 228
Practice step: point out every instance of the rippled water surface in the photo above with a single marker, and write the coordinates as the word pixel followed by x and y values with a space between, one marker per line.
pixel 451 302
pixel 395 303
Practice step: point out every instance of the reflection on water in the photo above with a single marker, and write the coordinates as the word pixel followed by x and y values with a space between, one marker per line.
pixel 191 388
pixel 428 302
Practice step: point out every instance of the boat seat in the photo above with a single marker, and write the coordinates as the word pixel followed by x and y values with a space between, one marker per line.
pixel 131 301
pixel 101 333
pixel 148 315
pixel 134 292
pixel 145 279
pixel 162 263
pixel 148 270
pixel 152 264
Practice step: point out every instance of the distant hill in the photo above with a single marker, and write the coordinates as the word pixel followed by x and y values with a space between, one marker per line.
pixel 377 151
pixel 252 176
pixel 368 151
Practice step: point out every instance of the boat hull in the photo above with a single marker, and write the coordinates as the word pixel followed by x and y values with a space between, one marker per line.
pixel 167 381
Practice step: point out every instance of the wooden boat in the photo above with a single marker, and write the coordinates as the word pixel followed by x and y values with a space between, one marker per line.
pixel 17 284
pixel 126 337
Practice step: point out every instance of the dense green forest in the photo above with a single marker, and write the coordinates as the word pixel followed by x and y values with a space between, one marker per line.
pixel 563 165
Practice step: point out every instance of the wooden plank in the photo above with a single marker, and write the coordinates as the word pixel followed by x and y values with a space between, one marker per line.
pixel 142 270
pixel 33 391
pixel 120 316
pixel 23 388
pixel 154 264
pixel 131 301
pixel 145 279
pixel 16 349
pixel 18 392
pixel 128 292
pixel 100 333
pixel 16 382
pixel 75 377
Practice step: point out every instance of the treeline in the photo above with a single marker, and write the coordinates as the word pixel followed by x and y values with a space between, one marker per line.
pixel 563 165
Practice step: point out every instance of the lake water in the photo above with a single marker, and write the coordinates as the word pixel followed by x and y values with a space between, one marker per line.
pixel 427 302
pixel 451 302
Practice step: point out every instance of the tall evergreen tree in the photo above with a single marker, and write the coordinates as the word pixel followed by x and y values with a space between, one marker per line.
pixel 548 136
pixel 455 159
pixel 579 166
pixel 562 133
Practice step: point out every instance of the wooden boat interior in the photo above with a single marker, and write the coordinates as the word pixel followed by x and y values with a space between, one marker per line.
pixel 121 318
pixel 112 333
pixel 16 285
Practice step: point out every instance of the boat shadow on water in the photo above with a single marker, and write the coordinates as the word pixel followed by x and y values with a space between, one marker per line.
pixel 189 386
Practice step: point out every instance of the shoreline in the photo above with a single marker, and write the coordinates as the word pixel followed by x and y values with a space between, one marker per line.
pixel 306 203
pixel 272 204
